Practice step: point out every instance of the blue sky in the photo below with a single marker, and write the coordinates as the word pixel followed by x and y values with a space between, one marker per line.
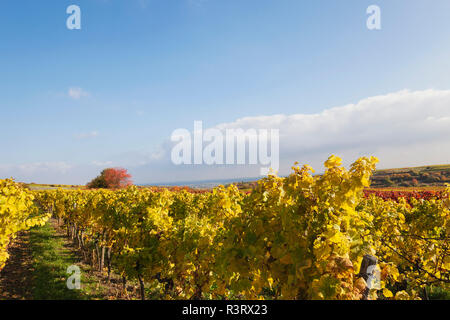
pixel 75 101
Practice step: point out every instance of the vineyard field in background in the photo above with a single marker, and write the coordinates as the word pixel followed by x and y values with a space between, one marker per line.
pixel 298 237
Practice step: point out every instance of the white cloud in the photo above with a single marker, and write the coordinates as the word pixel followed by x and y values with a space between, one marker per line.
pixel 86 135
pixel 34 167
pixel 405 128
pixel 398 121
pixel 102 164
pixel 59 166
pixel 77 93
pixel 56 172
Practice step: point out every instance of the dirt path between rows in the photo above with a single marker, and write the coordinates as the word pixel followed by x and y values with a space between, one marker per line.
pixel 16 278
pixel 23 277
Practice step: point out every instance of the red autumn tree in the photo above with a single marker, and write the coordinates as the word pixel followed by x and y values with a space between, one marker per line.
pixel 117 178
pixel 111 178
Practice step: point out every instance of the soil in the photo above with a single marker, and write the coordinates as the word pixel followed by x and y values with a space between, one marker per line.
pixel 16 278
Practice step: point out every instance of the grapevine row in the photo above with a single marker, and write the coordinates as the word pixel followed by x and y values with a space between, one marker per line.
pixel 18 212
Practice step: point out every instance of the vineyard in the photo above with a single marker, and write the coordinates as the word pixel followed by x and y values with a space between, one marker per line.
pixel 298 237
pixel 408 195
